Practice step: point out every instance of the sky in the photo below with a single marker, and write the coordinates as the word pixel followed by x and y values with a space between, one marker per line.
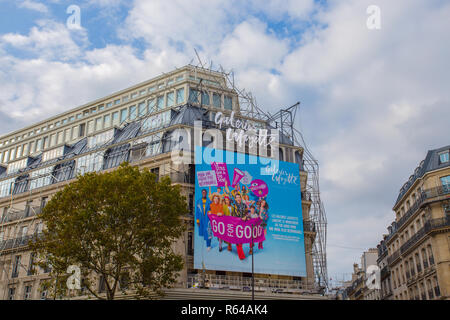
pixel 373 101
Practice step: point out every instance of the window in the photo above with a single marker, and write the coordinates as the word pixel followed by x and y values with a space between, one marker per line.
pixel 67 135
pixel 13 167
pixel 138 152
pixel 180 96
pixel 81 130
pixel 156 122
pixel 217 100
pixel 117 101
pixel 133 113
pixel 90 127
pixel 11 293
pixel 190 248
pixel 44 295
pixel 98 124
pixel 30 270
pixel 107 121
pixel 446 183
pixel 6 187
pixel 115 118
pixel 142 109
pixel 170 99
pixel 40 178
pixel 123 115
pixel 151 105
pixel 193 96
pixel 227 103
pixel 43 202
pixel 16 267
pixel 53 154
pixel 38 145
pixel 205 98
pixel 444 157
pixel 89 163
pixel 27 292
pixel 100 138
pixel 160 102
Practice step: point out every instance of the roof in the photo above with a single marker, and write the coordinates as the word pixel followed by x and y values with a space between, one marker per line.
pixel 430 163
pixel 116 147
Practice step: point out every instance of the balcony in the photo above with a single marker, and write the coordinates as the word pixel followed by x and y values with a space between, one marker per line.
pixel 384 272
pixel 424 196
pixel 393 257
pixel 428 226
pixel 20 214
pixel 16 242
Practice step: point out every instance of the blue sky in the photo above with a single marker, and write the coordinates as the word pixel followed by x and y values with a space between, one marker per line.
pixel 372 101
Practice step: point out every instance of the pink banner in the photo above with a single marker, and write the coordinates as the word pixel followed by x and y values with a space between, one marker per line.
pixel 221 173
pixel 235 230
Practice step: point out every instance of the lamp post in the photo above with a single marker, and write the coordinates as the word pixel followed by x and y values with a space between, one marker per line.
pixel 253 270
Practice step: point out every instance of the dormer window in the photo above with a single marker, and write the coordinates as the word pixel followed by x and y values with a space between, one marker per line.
pixel 444 157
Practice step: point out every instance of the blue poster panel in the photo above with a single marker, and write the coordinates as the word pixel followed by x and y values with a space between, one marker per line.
pixel 245 206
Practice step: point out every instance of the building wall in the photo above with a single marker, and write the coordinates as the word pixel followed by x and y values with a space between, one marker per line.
pixel 419 250
pixel 49 129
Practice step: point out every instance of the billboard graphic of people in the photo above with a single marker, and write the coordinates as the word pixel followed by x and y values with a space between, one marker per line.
pixel 244 208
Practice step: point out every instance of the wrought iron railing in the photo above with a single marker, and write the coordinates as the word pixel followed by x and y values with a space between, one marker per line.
pixel 425 195
pixel 428 226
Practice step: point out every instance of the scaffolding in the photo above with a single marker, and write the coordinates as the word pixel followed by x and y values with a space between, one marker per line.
pixel 284 120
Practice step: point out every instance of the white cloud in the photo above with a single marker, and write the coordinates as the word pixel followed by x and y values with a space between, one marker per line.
pixel 33 5
pixel 49 40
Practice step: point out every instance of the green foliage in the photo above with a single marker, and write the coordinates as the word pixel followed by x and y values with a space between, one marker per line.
pixel 120 225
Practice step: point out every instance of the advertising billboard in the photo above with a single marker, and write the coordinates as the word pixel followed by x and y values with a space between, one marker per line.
pixel 240 201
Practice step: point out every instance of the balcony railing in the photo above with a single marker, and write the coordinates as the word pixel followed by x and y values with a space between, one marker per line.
pixel 22 214
pixel 16 242
pixel 393 257
pixel 425 195
pixel 428 226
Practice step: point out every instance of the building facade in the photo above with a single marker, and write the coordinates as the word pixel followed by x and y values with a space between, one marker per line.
pixel 415 255
pixel 135 125
pixel 358 289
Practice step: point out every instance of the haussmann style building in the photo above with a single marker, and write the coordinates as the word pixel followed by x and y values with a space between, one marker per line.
pixel 135 125
pixel 414 257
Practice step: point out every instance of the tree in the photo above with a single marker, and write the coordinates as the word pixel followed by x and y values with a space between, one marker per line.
pixel 118 226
